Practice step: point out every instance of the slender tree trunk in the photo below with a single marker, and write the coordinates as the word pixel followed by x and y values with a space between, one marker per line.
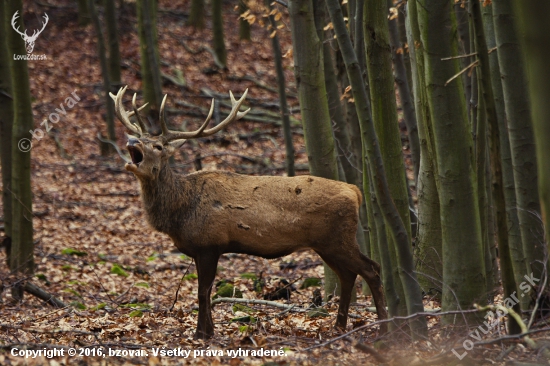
pixel 196 14
pixel 428 242
pixel 520 129
pixel 107 148
pixel 83 13
pixel 244 26
pixel 533 23
pixel 463 266
pixel 372 151
pixel 463 28
pixel 407 103
pixel 337 117
pixel 309 71
pixel 507 273
pixel 22 246
pixel 6 121
pixel 384 116
pixel 150 63
pixel 112 36
pixel 514 233
pixel 401 21
pixel 218 41
pixel 285 113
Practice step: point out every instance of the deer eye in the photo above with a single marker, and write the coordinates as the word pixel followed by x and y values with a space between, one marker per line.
pixel 158 147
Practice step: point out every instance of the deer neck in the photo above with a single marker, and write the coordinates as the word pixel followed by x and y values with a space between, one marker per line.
pixel 164 200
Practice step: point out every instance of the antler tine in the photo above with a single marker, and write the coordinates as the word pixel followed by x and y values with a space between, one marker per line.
pixel 162 117
pixel 136 112
pixel 201 132
pixel 122 114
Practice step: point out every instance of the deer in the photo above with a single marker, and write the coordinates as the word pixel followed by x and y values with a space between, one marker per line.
pixel 29 40
pixel 210 213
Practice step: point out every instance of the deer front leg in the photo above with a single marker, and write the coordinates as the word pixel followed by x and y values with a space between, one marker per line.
pixel 207 263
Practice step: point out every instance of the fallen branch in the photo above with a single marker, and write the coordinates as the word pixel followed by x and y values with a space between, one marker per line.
pixel 43 295
pixel 259 302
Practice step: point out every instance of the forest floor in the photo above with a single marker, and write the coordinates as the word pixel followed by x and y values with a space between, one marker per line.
pixel 126 287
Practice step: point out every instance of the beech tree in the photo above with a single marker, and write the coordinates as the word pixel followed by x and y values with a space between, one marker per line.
pixel 21 257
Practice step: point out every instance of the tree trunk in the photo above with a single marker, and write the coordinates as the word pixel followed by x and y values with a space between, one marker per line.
pixel 372 150
pixel 308 68
pixel 514 233
pixel 196 14
pixel 384 116
pixel 22 246
pixel 150 63
pixel 112 36
pixel 218 41
pixel 285 113
pixel 463 28
pixel 6 121
pixel 106 148
pixel 463 265
pixel 244 26
pixel 83 13
pixel 428 242
pixel 522 138
pixel 404 90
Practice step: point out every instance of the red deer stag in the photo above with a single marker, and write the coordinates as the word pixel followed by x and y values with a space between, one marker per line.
pixel 211 213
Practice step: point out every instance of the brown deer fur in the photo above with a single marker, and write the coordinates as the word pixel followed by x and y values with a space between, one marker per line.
pixel 208 214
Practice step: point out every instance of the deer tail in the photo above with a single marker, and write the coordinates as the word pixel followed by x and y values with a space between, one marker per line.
pixel 359 194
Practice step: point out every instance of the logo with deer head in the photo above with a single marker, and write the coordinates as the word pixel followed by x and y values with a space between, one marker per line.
pixel 29 40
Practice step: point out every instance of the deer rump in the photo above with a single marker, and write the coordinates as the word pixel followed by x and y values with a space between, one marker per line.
pixel 264 216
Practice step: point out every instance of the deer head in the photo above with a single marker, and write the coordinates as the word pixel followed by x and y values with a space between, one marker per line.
pixel 150 153
pixel 29 40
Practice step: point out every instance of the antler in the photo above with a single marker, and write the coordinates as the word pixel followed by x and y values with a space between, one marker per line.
pixel 202 132
pixel 124 116
pixel 13 25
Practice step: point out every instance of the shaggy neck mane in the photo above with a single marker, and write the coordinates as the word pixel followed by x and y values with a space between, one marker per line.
pixel 164 199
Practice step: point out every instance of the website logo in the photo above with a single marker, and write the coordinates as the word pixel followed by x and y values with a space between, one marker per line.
pixel 29 40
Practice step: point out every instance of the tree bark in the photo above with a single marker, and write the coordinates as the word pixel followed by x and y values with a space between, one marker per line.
pixel 150 63
pixel 107 149
pixel 463 266
pixel 514 233
pixel 525 154
pixel 407 103
pixel 6 121
pixel 196 14
pixel 218 41
pixel 429 254
pixel 22 245
pixel 372 150
pixel 83 13
pixel 384 117
pixel 285 113
pixel 112 36
pixel 244 26
pixel 309 72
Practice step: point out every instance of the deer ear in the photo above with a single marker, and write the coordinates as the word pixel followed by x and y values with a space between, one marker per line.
pixel 177 143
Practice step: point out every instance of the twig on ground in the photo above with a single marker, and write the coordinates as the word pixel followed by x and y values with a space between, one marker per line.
pixel 43 295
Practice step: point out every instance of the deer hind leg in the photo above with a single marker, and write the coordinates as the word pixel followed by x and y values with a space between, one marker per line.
pixel 370 271
pixel 347 281
pixel 207 264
